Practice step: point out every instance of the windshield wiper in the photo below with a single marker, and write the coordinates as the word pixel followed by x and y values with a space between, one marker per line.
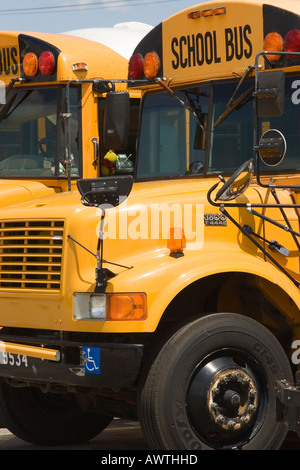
pixel 190 107
pixel 234 104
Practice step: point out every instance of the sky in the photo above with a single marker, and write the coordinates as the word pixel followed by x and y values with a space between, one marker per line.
pixel 56 16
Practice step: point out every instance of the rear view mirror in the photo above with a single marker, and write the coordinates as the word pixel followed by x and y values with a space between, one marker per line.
pixel 270 93
pixel 116 120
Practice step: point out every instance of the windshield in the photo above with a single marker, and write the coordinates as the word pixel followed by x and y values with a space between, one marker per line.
pixel 174 143
pixel 32 138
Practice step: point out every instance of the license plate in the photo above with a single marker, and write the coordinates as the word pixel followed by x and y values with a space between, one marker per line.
pixel 17 360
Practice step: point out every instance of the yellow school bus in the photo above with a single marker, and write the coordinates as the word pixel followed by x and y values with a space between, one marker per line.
pixel 171 294
pixel 53 87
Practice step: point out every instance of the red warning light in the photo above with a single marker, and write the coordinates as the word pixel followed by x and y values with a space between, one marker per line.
pixel 46 63
pixel 292 43
pixel 135 69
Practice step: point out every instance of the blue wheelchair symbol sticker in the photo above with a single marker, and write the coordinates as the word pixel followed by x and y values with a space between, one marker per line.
pixel 91 357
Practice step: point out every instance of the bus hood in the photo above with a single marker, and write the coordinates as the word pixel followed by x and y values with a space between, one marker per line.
pixel 14 192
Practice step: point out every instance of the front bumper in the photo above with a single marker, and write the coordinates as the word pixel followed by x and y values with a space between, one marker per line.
pixel 96 365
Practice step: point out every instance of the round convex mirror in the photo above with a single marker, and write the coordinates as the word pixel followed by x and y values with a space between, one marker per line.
pixel 237 183
pixel 272 147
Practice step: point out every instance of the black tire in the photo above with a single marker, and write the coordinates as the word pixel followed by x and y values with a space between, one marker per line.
pixel 47 419
pixel 212 387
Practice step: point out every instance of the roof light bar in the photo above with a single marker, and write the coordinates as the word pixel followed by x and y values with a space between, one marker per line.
pixel 193 15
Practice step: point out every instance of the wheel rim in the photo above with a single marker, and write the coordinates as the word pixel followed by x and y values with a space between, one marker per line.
pixel 226 400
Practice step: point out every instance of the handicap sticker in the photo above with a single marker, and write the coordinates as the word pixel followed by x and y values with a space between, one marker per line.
pixel 91 358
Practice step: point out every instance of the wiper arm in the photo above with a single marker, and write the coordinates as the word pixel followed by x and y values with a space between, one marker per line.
pixel 234 104
pixel 190 107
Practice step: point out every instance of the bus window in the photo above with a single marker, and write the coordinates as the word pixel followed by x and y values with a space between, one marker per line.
pixel 168 144
pixel 232 140
pixel 29 133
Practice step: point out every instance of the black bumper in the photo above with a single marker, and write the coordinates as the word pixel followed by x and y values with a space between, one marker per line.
pixel 96 365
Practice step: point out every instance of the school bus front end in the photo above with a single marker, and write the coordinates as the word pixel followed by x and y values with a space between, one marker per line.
pixel 170 294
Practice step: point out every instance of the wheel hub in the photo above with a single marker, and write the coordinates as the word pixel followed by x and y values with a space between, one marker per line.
pixel 232 399
pixel 224 400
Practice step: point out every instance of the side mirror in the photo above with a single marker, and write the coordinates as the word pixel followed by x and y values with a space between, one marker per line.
pixel 237 183
pixel 270 93
pixel 110 191
pixel 116 120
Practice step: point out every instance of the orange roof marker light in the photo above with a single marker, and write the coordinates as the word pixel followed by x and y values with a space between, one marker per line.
pixel 79 67
pixel 193 15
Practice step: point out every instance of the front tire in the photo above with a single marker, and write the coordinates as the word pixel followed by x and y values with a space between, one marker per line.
pixel 212 387
pixel 47 419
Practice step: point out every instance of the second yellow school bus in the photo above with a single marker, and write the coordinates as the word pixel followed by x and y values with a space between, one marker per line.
pixel 52 94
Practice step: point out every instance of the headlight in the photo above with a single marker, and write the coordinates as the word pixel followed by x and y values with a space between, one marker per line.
pixel 89 306
pixel 125 306
pixel 98 307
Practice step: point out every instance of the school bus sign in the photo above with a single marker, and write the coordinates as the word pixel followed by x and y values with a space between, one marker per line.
pixel 9 60
pixel 217 40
